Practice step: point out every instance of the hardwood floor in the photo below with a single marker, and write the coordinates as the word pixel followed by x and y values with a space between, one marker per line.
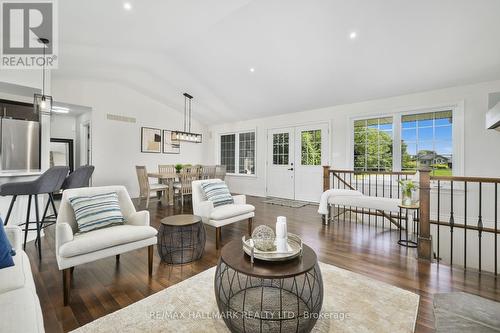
pixel 105 286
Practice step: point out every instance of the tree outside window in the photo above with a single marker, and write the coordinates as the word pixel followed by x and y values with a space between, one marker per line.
pixel 373 144
pixel 311 147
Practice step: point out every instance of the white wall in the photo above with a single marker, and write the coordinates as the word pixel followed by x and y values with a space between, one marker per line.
pixel 477 162
pixel 116 146
pixel 25 77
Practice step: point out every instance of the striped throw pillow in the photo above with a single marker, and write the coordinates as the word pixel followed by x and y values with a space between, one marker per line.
pixel 97 211
pixel 218 193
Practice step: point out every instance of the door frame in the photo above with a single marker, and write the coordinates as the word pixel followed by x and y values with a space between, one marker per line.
pixel 294 126
pixel 69 142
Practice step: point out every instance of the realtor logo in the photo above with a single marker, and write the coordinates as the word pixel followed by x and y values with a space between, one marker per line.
pixel 24 25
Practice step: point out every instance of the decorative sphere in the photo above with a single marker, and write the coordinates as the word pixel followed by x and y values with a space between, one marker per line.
pixel 263 238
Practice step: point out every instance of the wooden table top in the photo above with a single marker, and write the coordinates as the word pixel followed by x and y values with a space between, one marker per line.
pixel 412 206
pixel 181 220
pixel 233 255
pixel 161 175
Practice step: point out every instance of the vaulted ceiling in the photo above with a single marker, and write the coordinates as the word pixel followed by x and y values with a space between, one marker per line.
pixel 300 50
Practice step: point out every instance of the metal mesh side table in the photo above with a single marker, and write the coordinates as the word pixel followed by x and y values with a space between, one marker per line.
pixel 181 239
pixel 268 297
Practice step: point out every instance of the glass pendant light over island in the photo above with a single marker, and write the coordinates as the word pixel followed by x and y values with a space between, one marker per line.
pixel 187 135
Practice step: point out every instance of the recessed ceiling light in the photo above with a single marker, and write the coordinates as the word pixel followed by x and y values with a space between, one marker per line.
pixel 127 6
pixel 353 35
pixel 252 69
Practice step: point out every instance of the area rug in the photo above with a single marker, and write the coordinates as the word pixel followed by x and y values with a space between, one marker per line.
pixel 285 202
pixel 352 303
pixel 462 312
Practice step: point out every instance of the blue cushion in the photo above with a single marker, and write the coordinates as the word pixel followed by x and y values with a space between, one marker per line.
pixel 96 212
pixel 6 251
pixel 218 193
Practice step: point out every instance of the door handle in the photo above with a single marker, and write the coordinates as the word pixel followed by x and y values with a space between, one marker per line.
pixel 291 169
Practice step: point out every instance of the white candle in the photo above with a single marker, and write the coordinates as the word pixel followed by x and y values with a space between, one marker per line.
pixel 281 234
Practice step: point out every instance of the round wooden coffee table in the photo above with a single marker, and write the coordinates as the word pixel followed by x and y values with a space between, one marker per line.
pixel 181 239
pixel 268 296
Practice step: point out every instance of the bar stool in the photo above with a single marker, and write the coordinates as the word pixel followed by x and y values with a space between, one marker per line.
pixel 78 178
pixel 49 182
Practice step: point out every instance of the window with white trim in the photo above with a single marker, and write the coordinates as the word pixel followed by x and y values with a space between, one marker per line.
pixel 426 141
pixel 237 152
pixel 407 141
pixel 373 144
pixel 247 153
pixel 227 152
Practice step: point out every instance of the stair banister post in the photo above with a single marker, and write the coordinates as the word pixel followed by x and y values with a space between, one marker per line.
pixel 424 237
pixel 326 177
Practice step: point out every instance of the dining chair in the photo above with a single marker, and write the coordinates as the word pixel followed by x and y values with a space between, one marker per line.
pixel 145 187
pixel 220 172
pixel 196 171
pixel 184 187
pixel 167 169
pixel 208 172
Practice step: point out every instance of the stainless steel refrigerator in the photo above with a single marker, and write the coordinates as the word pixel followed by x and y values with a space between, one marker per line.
pixel 20 145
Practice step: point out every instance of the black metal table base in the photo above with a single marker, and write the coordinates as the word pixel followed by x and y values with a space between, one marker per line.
pixel 181 244
pixel 253 304
pixel 407 243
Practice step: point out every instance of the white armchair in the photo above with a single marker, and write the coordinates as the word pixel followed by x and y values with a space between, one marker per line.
pixel 223 215
pixel 75 249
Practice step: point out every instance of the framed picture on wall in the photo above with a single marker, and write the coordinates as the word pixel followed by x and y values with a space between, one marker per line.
pixel 150 140
pixel 170 146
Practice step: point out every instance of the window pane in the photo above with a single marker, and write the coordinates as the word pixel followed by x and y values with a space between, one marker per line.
pixel 373 144
pixel 311 147
pixel 280 148
pixel 247 153
pixel 433 144
pixel 443 118
pixel 227 152
pixel 443 133
pixel 408 156
pixel 409 134
pixel 443 147
pixel 409 121
pixel 425 119
pixel 359 162
pixel 425 134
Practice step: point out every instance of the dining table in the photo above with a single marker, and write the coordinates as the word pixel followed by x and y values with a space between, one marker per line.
pixel 166 178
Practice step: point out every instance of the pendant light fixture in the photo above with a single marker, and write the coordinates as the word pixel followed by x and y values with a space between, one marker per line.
pixel 187 135
pixel 43 103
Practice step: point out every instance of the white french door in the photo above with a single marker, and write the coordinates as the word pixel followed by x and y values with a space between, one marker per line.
pixel 280 163
pixel 294 162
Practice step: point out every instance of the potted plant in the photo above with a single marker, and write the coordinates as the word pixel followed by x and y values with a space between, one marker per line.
pixel 178 168
pixel 407 189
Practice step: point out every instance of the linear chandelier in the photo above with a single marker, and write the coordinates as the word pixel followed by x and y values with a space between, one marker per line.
pixel 187 135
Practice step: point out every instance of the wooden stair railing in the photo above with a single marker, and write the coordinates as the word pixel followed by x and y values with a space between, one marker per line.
pixel 425 240
pixel 469 205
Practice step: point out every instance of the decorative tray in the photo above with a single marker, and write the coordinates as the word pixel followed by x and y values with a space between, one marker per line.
pixel 294 250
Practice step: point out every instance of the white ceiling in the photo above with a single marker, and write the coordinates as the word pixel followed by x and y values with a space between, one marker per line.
pixel 300 49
